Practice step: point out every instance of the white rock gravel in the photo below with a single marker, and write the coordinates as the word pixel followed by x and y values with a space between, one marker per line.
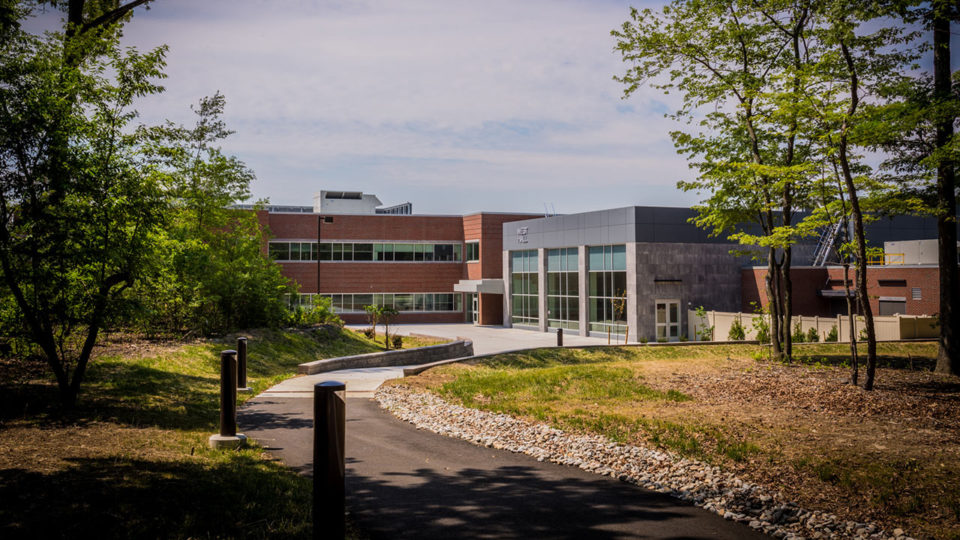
pixel 703 485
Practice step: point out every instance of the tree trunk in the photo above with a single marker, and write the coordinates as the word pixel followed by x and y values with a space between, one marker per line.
pixel 787 305
pixel 854 359
pixel 948 356
pixel 858 233
pixel 773 303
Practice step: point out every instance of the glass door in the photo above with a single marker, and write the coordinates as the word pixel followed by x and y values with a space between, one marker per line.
pixel 475 308
pixel 668 320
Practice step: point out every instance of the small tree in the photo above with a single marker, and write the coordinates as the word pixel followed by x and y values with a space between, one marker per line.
pixel 381 314
pixel 706 332
pixel 78 208
pixel 737 332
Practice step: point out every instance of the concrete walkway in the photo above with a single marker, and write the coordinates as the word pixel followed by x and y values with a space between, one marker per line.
pixel 407 483
pixel 486 340
pixel 493 339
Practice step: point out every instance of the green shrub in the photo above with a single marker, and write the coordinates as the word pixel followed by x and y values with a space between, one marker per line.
pixel 644 339
pixel 397 341
pixel 737 332
pixel 705 333
pixel 321 313
pixel 683 338
pixel 370 333
pixel 798 334
pixel 762 328
pixel 661 340
pixel 832 335
pixel 813 336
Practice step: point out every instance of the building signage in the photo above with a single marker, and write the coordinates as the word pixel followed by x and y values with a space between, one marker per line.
pixel 521 235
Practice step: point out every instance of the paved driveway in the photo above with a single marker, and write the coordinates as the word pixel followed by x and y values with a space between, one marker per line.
pixel 403 482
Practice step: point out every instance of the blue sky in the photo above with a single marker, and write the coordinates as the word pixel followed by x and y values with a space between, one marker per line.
pixel 455 106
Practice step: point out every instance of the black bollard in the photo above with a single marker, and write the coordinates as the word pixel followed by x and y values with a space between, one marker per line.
pixel 329 420
pixel 559 337
pixel 242 363
pixel 228 394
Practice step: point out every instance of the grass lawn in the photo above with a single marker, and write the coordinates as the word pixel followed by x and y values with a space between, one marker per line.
pixel 892 455
pixel 132 459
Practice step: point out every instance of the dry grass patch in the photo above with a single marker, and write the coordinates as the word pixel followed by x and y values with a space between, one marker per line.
pixel 891 455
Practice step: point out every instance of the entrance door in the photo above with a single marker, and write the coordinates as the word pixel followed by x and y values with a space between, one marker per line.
pixel 668 320
pixel 475 308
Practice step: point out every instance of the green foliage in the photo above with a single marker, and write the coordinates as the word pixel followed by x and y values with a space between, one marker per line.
pixel 813 336
pixel 78 207
pixel 208 273
pixel 832 335
pixel 798 336
pixel 321 312
pixel 761 325
pixel 704 333
pixel 397 341
pixel 381 314
pixel 644 339
pixel 737 332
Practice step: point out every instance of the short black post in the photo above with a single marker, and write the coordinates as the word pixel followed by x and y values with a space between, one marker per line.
pixel 329 420
pixel 228 394
pixel 242 363
pixel 559 337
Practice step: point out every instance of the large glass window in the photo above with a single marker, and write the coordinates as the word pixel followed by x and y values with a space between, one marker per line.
pixel 607 296
pixel 473 251
pixel 563 289
pixel 523 288
pixel 293 251
pixel 403 302
pixel 365 252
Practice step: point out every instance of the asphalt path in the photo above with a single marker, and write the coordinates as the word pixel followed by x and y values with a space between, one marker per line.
pixel 408 483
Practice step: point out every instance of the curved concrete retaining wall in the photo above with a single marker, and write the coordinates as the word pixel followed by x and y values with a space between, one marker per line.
pixel 402 357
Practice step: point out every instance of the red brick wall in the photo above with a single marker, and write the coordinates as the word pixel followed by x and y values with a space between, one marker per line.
pixel 304 273
pixel 346 277
pixel 807 282
pixel 399 228
pixel 488 228
pixel 292 226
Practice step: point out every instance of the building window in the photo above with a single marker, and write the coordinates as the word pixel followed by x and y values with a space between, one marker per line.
pixel 916 293
pixel 607 266
pixel 668 320
pixel 366 252
pixel 402 302
pixel 473 251
pixel 563 289
pixel 893 306
pixel 293 251
pixel 523 288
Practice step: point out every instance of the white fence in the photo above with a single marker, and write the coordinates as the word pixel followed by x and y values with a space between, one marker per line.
pixel 888 328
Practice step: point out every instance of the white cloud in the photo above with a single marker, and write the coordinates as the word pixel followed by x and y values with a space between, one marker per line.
pixel 468 105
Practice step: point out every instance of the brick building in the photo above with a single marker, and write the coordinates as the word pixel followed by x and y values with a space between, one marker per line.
pixel 905 280
pixel 429 268
pixel 634 270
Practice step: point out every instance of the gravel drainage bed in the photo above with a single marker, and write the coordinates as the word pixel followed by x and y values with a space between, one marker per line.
pixel 689 480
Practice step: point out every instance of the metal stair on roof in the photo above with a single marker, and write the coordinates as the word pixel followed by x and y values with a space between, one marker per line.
pixel 825 244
